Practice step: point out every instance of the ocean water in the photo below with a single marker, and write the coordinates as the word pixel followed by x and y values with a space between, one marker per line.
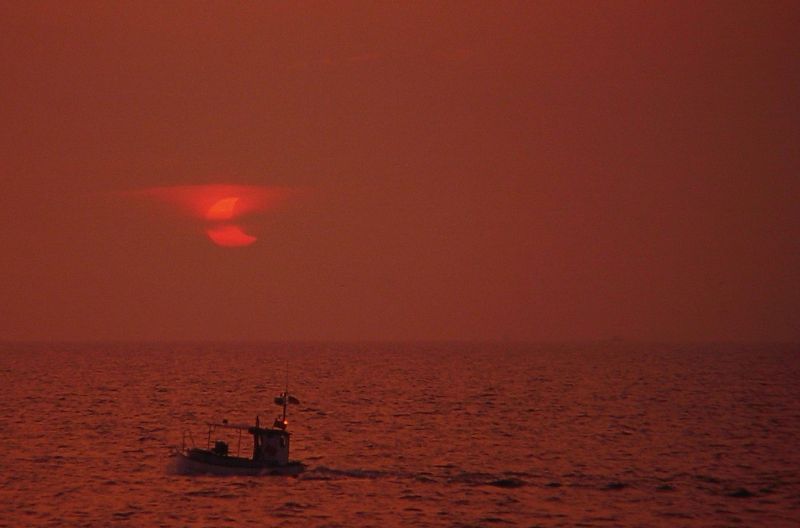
pixel 606 434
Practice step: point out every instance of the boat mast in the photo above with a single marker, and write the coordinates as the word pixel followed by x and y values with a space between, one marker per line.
pixel 284 400
pixel 286 394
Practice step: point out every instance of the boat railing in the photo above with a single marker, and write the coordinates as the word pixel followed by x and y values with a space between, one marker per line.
pixel 212 439
pixel 184 434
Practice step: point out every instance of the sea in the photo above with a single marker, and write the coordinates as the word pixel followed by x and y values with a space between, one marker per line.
pixel 604 434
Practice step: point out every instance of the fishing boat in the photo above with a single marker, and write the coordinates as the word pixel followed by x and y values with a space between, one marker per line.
pixel 269 455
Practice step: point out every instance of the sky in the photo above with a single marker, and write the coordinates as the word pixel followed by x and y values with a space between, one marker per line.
pixel 521 171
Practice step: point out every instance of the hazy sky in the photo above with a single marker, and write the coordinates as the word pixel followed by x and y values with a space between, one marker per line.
pixel 483 170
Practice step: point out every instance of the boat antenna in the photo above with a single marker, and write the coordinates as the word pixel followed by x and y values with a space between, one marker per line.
pixel 284 400
pixel 286 393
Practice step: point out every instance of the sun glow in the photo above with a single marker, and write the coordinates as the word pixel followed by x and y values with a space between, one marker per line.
pixel 218 201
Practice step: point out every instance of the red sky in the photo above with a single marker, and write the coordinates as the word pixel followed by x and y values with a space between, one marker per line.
pixel 475 170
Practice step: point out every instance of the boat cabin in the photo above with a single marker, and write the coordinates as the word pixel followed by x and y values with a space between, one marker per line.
pixel 270 446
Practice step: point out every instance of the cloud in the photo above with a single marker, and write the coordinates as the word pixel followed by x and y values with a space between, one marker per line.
pixel 197 200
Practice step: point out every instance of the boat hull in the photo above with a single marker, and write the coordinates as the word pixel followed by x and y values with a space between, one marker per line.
pixel 197 464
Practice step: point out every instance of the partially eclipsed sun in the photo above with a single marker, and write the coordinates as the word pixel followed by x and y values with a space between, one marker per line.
pixel 219 207
pixel 226 235
pixel 229 235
